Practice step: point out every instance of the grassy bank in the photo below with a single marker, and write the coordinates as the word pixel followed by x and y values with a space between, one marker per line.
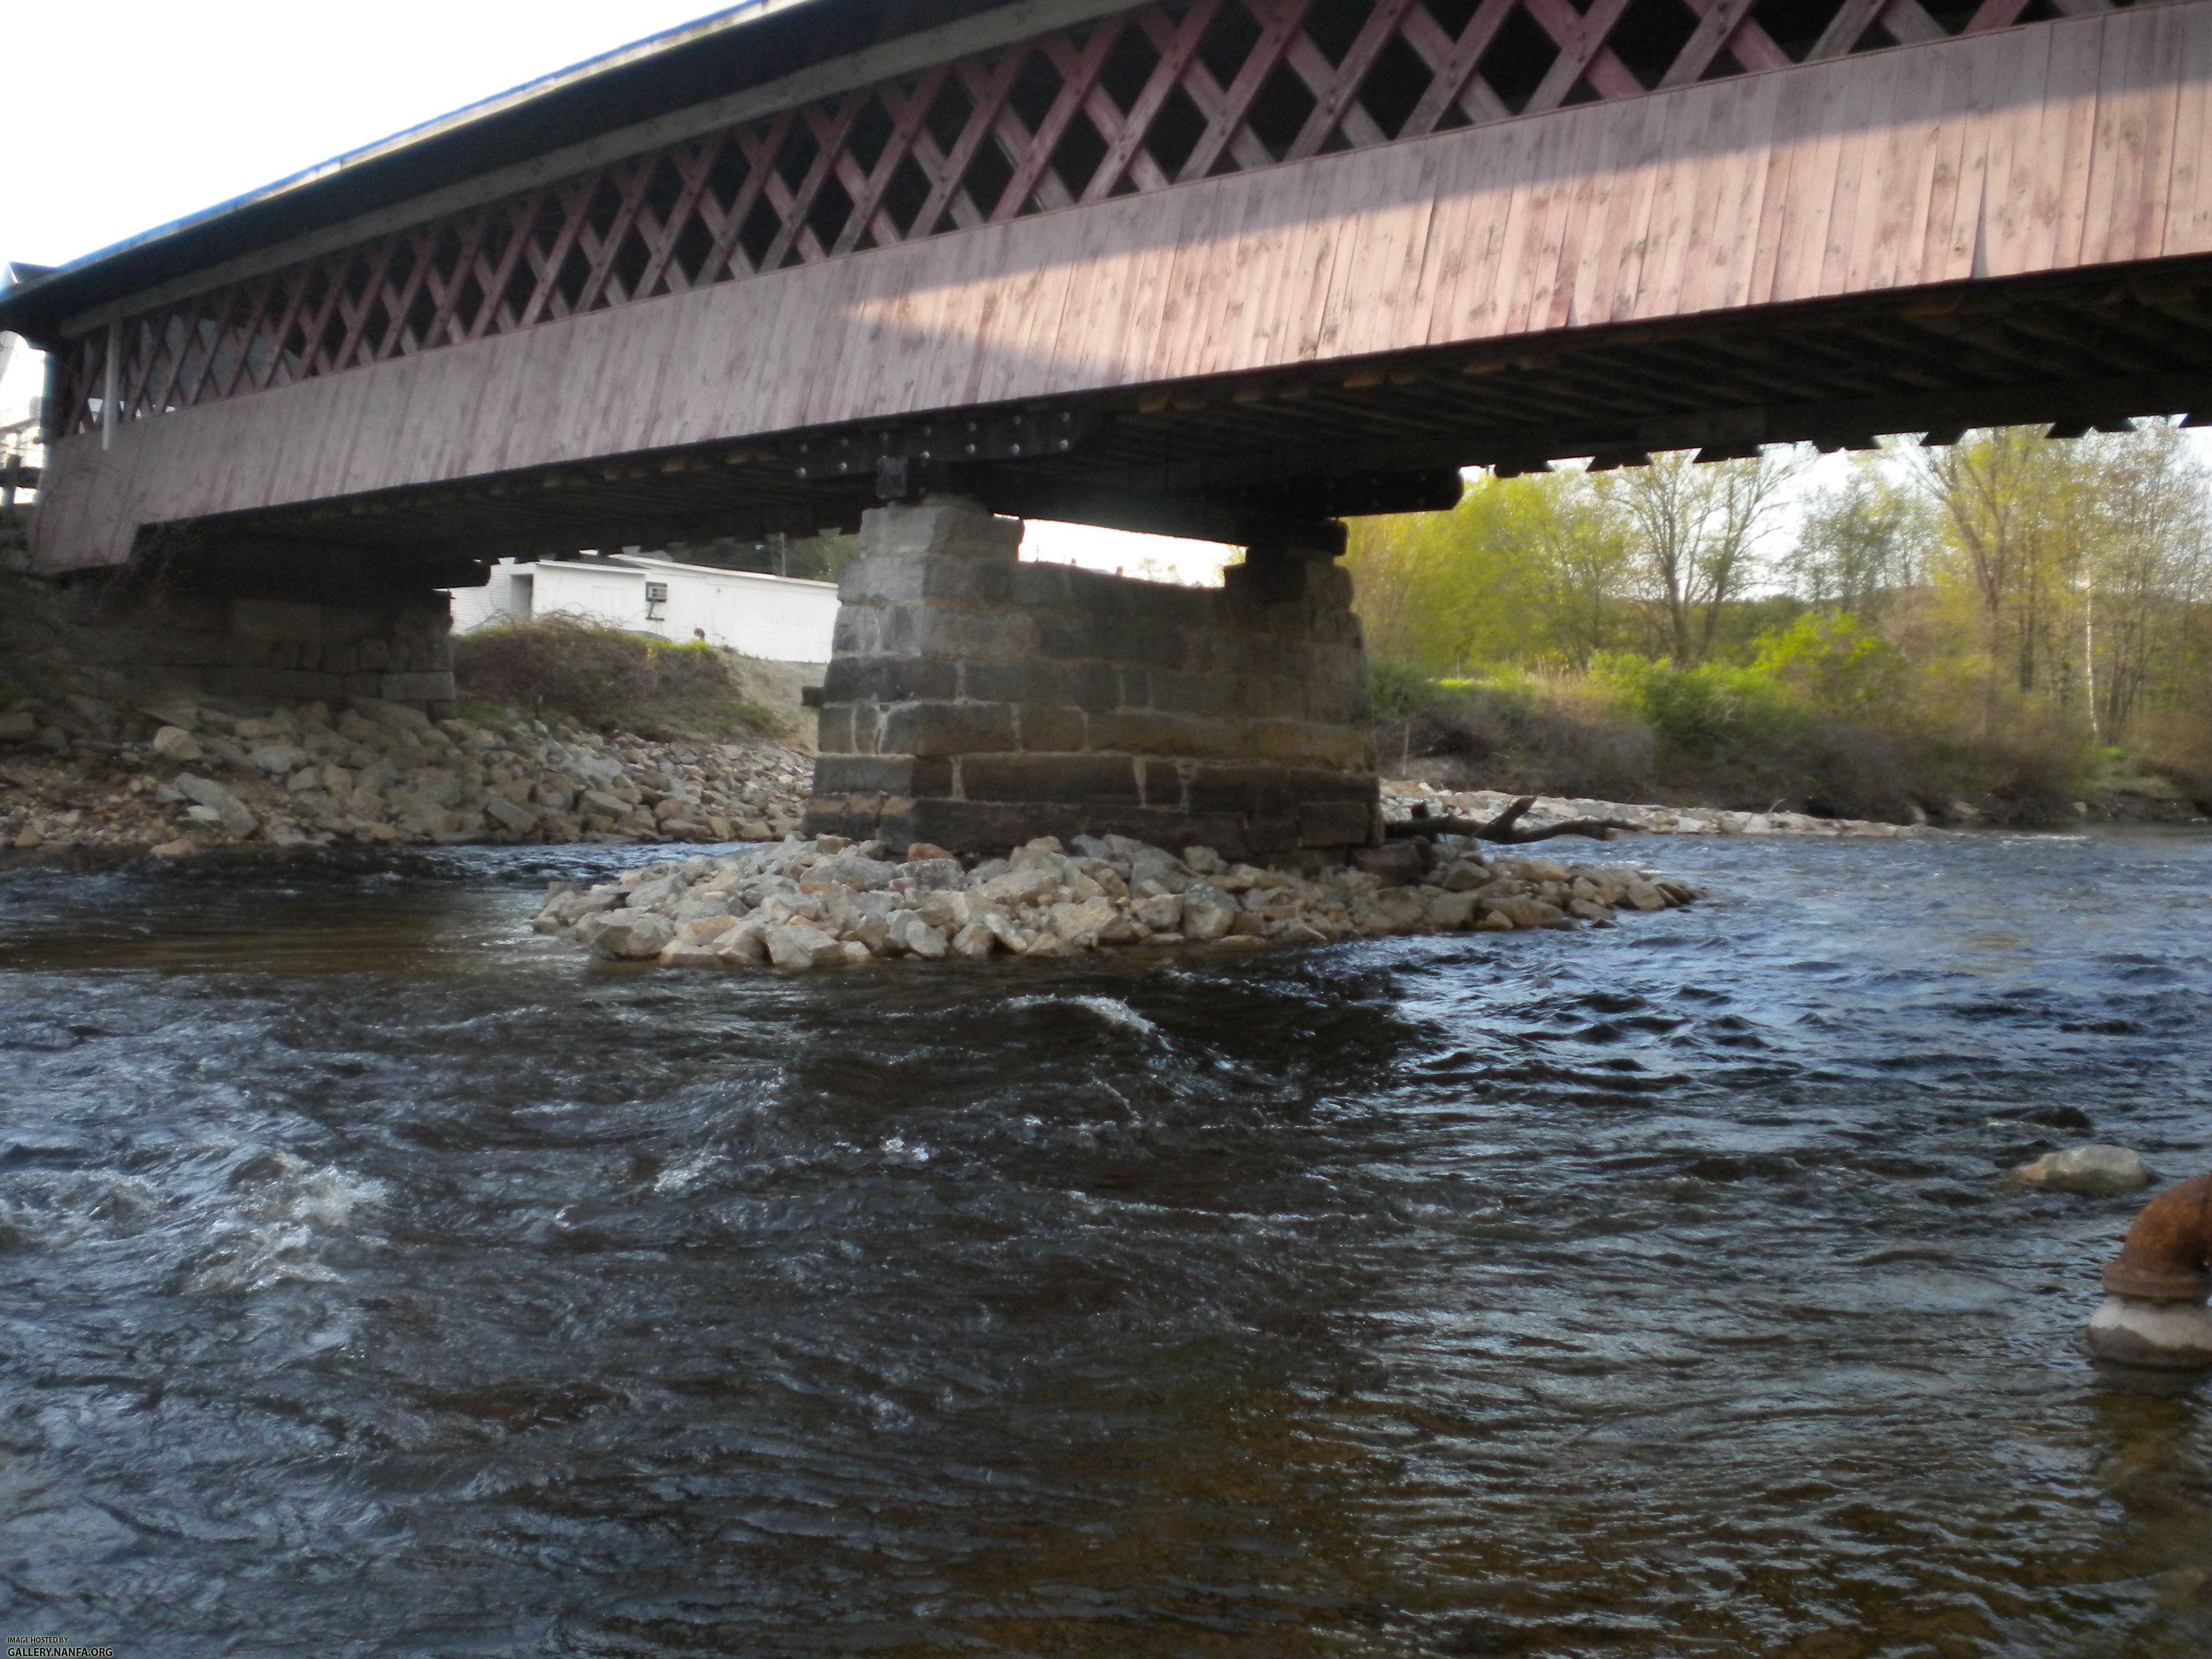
pixel 609 679
pixel 1781 732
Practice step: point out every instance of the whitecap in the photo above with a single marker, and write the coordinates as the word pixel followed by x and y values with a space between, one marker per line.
pixel 682 1177
pixel 281 1216
pixel 1112 1010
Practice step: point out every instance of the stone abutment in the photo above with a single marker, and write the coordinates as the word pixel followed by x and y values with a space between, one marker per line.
pixel 975 701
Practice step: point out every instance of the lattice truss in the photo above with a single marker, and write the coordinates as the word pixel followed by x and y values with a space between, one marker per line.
pixel 1163 93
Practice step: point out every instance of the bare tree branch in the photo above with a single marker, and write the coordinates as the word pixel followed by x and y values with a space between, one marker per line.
pixel 1502 828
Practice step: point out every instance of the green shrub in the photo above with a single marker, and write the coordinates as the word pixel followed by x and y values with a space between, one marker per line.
pixel 1833 664
pixel 1701 708
pixel 1399 691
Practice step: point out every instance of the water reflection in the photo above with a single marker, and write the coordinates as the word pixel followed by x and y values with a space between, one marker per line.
pixel 389 1281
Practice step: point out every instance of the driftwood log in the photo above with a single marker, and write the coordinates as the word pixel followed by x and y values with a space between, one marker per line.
pixel 1502 828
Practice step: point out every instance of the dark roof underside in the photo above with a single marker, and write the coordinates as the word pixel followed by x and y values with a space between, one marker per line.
pixel 637 84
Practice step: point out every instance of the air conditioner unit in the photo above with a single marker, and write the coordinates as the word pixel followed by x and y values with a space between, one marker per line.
pixel 656 592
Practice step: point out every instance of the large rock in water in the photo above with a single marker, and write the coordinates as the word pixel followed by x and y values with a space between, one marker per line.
pixel 2093 1170
pixel 634 937
pixel 2164 1335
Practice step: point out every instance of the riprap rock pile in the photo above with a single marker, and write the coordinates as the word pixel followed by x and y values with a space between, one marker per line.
pixel 803 905
pixel 178 777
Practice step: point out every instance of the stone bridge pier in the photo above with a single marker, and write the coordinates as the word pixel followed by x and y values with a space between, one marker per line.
pixel 975 701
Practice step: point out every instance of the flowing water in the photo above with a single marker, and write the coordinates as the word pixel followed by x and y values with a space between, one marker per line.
pixel 380 1278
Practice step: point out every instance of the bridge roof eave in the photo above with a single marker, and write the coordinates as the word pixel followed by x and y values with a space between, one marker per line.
pixel 752 43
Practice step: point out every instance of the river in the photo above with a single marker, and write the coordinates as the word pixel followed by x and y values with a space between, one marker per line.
pixel 383 1280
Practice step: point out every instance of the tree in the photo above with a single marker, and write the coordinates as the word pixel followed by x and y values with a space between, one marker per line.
pixel 2010 503
pixel 1526 571
pixel 2145 587
pixel 1698 528
pixel 1861 541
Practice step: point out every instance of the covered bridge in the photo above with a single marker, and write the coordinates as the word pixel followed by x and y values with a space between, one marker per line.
pixel 1228 268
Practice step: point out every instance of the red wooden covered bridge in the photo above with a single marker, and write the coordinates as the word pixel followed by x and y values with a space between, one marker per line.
pixel 1231 268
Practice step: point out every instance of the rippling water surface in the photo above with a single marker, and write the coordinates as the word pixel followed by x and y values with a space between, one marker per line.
pixel 382 1280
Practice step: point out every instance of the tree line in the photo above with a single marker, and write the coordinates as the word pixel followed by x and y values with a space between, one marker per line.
pixel 2006 582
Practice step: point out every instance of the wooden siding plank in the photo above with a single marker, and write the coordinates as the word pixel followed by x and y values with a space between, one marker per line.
pixel 1958 148
pixel 1371 287
pixel 1673 209
pixel 1303 255
pixel 1225 259
pixel 2188 227
pixel 2077 68
pixel 1502 190
pixel 1575 205
pixel 1825 115
pixel 1623 210
pixel 1453 233
pixel 1334 195
pixel 1499 275
pixel 1184 290
pixel 2015 231
pixel 1148 295
pixel 1251 322
pixel 2137 95
pixel 1736 188
pixel 1891 149
pixel 1097 300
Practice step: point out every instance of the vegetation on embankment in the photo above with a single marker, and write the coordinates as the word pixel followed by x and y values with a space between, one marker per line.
pixel 1999 629
pixel 609 679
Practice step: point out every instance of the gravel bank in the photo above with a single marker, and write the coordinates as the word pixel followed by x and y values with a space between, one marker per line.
pixel 1402 800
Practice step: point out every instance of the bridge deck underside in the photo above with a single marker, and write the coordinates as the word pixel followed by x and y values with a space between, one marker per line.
pixel 1205 457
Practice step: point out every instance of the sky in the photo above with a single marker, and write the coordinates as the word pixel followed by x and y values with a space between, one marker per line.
pixel 207 100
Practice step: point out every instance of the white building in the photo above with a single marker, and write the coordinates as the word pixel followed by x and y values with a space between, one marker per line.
pixel 777 617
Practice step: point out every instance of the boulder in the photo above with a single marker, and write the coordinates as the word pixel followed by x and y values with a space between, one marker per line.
pixel 1023 886
pixel 173 742
pixel 278 759
pixel 633 936
pixel 1207 913
pixel 2092 1170
pixel 505 813
pixel 683 953
pixel 747 942
pixel 917 937
pixel 232 813
pixel 974 941
pixel 1161 912
pixel 1081 924
pixel 797 948
pixel 1451 911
